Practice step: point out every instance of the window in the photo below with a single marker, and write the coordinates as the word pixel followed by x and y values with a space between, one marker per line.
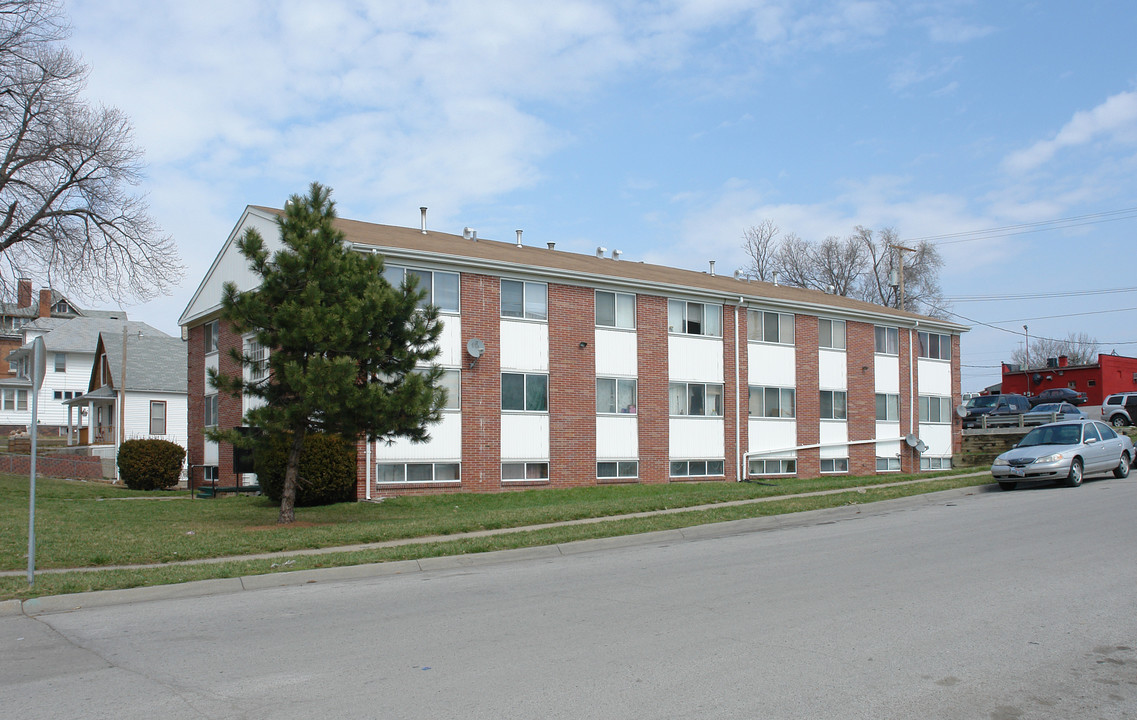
pixel 769 327
pixel 935 463
pixel 418 472
pixel 210 473
pixel 773 402
pixel 157 417
pixel 211 332
pixel 696 468
pixel 616 310
pixel 833 405
pixel 888 464
pixel 887 340
pixel 616 395
pixel 695 399
pixel 211 410
pixel 441 287
pixel 60 362
pixel 692 318
pixel 772 466
pixel 935 409
pixel 15 399
pixel 529 393
pixel 834 465
pixel 522 471
pixel 831 333
pixel 611 469
pixel 258 357
pixel 524 300
pixel 887 407
pixel 934 345
pixel 451 381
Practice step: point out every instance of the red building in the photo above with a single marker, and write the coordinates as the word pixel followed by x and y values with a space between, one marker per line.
pixel 1110 374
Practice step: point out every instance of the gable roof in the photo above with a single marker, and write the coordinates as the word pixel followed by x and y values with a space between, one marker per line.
pixel 437 249
pixel 81 334
pixel 155 362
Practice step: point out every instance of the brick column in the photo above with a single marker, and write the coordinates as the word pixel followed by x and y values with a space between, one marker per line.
pixel 735 394
pixel 229 413
pixel 808 395
pixel 195 387
pixel 572 386
pixel 909 403
pixel 481 385
pixel 651 341
pixel 860 346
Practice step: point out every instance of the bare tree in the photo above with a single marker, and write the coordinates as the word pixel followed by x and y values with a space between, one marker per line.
pixel 761 244
pixel 839 264
pixel 67 170
pixel 921 269
pixel 1079 348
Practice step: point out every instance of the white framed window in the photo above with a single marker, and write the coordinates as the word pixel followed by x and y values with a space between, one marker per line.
pixel 211 410
pixel 887 407
pixel 935 409
pixel 771 327
pixel 442 288
pixel 934 345
pixel 525 392
pixel 157 417
pixel 616 395
pixel 935 463
pixel 615 469
pixel 524 471
pixel 451 381
pixel 211 331
pixel 15 399
pixel 703 399
pixel 529 300
pixel 257 369
pixel 888 464
pixel 693 318
pixel 831 333
pixel 393 473
pixel 211 473
pixel 834 465
pixel 887 340
pixel 772 466
pixel 773 402
pixel 697 468
pixel 60 362
pixel 617 310
pixel 833 405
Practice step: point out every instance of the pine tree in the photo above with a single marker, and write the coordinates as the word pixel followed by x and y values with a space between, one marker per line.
pixel 348 353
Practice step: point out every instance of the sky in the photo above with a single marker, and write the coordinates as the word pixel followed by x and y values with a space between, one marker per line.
pixel 663 128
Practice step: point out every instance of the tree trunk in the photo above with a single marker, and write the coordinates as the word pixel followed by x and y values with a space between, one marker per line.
pixel 291 474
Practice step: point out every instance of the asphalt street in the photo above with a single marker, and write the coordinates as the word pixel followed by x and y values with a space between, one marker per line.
pixel 965 604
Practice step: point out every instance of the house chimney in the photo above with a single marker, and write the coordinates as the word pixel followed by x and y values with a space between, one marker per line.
pixel 423 211
pixel 24 293
pixel 44 303
pixel 518 238
pixel 1063 360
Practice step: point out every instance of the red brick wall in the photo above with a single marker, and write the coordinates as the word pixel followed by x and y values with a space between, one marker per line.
pixel 743 393
pixel 733 315
pixel 909 403
pixel 808 395
pixel 572 386
pixel 56 466
pixel 481 386
pixel 228 407
pixel 651 344
pixel 860 345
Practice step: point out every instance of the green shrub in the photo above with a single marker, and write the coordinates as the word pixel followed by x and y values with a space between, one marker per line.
pixel 327 469
pixel 150 464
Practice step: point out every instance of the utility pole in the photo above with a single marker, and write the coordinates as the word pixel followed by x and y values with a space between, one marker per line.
pixel 900 250
pixel 1026 355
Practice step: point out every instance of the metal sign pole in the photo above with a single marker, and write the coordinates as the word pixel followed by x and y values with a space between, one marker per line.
pixel 39 367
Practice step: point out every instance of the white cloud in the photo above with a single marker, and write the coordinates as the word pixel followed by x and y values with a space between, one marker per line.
pixel 1114 120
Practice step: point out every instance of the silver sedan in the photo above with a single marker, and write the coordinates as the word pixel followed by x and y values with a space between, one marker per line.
pixel 1064 451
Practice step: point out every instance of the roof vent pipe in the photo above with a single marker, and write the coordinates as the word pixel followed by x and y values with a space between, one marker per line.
pixel 775 279
pixel 600 251
pixel 712 268
pixel 552 245
pixel 518 238
pixel 423 211
pixel 469 233
pixel 616 254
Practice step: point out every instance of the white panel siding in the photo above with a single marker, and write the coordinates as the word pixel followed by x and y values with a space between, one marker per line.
pixel 888 430
pixel 698 359
pixel 616 353
pixel 772 365
pixel 231 266
pixel 453 351
pixel 524 346
pixel 834 432
pixel 771 434
pixel 138 417
pixel 524 437
pixel 933 377
pixel 617 438
pixel 937 437
pixel 887 374
pixel 831 369
pixel 697 438
pixel 445 444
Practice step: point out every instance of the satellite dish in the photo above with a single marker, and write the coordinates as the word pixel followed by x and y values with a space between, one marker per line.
pixel 921 447
pixel 911 440
pixel 961 410
pixel 475 347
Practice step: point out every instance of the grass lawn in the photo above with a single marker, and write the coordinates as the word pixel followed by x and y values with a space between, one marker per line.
pixel 91 525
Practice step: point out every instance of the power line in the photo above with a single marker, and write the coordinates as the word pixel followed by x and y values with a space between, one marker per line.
pixel 1023 228
pixel 1051 317
pixel 1050 339
pixel 1038 296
